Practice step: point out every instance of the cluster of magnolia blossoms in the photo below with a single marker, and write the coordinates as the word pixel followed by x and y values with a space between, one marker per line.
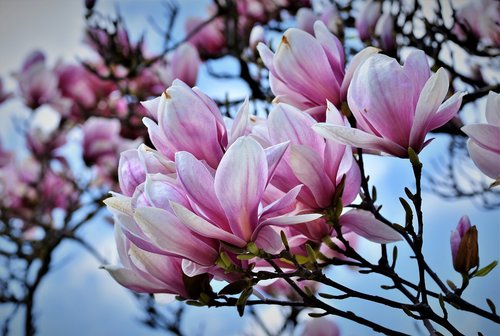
pixel 214 188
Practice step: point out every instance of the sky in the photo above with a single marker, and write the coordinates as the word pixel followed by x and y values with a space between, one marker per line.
pixel 78 298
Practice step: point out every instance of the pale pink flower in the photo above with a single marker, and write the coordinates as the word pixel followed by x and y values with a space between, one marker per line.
pixel 486 28
pixel 188 120
pixel 184 64
pixel 319 165
pixel 395 106
pixel 367 18
pixel 484 139
pixel 100 140
pixel 37 83
pixel 307 70
pixel 210 39
pixel 228 204
pixel 144 271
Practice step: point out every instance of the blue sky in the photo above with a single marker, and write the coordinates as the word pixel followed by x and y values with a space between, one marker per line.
pixel 79 299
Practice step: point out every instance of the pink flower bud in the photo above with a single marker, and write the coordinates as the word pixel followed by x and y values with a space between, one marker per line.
pixel 464 248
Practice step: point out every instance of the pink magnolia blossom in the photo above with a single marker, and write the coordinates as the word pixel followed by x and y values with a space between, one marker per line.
pixel 486 29
pixel 330 17
pixel 319 165
pixel 144 271
pixel 367 18
pixel 188 120
pixel 134 164
pixel 307 70
pixel 383 94
pixel 210 39
pixel 228 204
pixel 184 64
pixel 37 83
pixel 100 140
pixel 484 138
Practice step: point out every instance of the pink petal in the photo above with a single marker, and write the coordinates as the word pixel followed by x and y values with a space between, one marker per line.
pixel 486 160
pixel 269 240
pixel 308 166
pixel 417 68
pixel 282 205
pixel 169 234
pixel 240 181
pixel 199 185
pixel 204 228
pixel 486 136
pixel 356 61
pixel 287 123
pixel 300 59
pixel 493 109
pixel 431 97
pixel 366 225
pixel 359 139
pixel 132 280
pixel 240 123
pixel 446 111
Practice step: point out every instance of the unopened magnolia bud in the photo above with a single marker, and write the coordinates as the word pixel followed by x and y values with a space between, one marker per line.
pixel 464 247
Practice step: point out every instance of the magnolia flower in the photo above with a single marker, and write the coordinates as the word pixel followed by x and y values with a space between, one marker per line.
pixel 187 120
pixel 319 165
pixel 100 140
pixel 135 164
pixel 37 83
pixel 144 271
pixel 487 28
pixel 367 18
pixel 395 106
pixel 307 70
pixel 483 143
pixel 464 248
pixel 228 204
pixel 210 39
pixel 184 64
